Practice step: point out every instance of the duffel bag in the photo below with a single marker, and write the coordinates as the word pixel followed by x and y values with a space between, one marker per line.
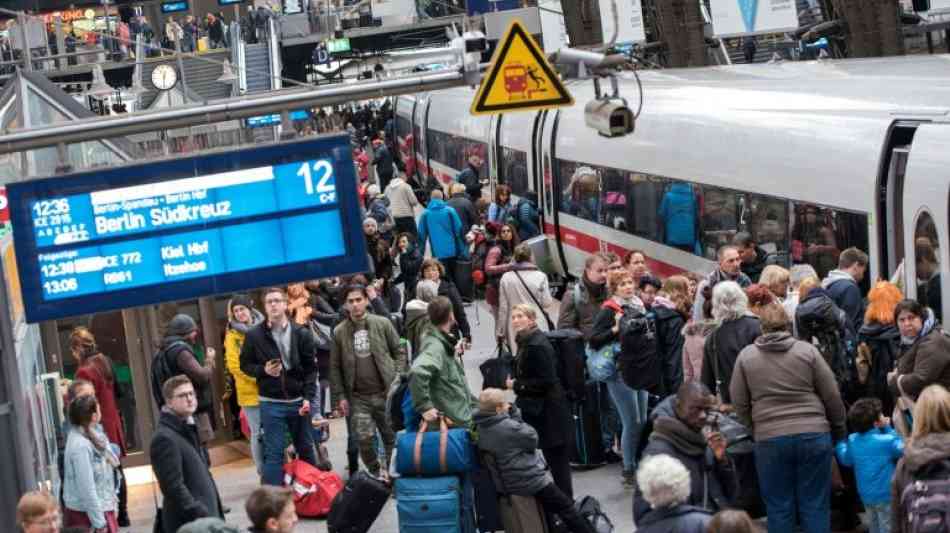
pixel 431 453
pixel 314 489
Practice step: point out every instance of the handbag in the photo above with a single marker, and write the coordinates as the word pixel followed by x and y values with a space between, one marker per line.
pixel 496 371
pixel 431 453
pixel 602 363
pixel 322 335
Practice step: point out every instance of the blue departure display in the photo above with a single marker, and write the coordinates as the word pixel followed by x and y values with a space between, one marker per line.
pixel 186 228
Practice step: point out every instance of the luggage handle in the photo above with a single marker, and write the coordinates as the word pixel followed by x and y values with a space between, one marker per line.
pixel 443 444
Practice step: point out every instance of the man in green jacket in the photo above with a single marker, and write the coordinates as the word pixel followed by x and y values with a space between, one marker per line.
pixel 438 383
pixel 364 360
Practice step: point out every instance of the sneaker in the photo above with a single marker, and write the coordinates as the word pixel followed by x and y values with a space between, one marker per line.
pixel 629 479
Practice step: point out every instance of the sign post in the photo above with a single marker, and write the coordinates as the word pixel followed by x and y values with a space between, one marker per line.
pixel 519 78
pixel 186 228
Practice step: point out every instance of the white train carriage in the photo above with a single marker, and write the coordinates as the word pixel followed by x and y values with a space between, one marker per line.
pixel 808 157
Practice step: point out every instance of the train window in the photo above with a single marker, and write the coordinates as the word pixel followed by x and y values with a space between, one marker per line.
pixel 646 215
pixel 819 234
pixel 581 194
pixel 513 170
pixel 403 126
pixel 719 218
pixel 766 219
pixel 927 261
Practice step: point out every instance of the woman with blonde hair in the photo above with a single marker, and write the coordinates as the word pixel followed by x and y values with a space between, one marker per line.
pixel 926 454
pixel 878 344
pixel 776 279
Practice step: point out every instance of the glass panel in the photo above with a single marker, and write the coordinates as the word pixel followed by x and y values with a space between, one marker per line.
pixel 720 218
pixel 581 194
pixel 513 170
pixel 645 199
pixel 819 234
pixel 927 259
pixel 766 219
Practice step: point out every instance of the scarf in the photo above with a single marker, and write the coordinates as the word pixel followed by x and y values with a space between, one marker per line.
pixel 684 439
pixel 929 324
pixel 241 327
pixel 634 303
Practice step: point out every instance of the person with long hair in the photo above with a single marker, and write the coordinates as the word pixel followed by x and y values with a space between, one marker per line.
pixel 497 262
pixel 671 309
pixel 407 262
pixel 878 344
pixel 96 368
pixel 925 454
pixel 502 208
pixel 89 477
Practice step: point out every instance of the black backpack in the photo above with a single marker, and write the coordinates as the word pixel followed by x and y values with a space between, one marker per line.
pixel 927 501
pixel 162 369
pixel 639 359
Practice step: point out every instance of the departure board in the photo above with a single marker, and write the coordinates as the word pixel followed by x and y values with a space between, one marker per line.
pixel 185 228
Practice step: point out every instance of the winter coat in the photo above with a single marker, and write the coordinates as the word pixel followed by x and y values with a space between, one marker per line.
pixel 181 359
pixel 402 200
pixel 247 393
pixel 846 294
pixel 470 178
pixel 182 468
pixel 755 268
pixel 883 344
pixel 384 343
pixel 512 292
pixel 513 444
pixel 924 458
pixel 873 455
pixel 669 336
pixel 678 519
pixel 501 213
pixel 721 350
pixel 88 478
pixel 378 208
pixel 417 323
pixel 442 225
pixel 538 388
pixel 713 279
pixel 465 209
pixel 106 396
pixel 782 386
pixel 527 219
pixel 695 334
pixel 383 160
pixel 678 212
pixel 602 332
pixel 580 304
pixel 300 380
pixel 438 379
pixel 450 291
pixel 926 362
pixel 713 483
pixel 497 262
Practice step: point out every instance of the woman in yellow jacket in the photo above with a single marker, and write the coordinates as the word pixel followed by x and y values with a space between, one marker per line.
pixel 241 317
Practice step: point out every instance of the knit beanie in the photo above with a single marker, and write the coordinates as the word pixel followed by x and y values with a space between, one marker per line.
pixel 182 325
pixel 241 299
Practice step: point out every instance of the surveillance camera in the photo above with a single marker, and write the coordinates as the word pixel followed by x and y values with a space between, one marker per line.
pixel 611 118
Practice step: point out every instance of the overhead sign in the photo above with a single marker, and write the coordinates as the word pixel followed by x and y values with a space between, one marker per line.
pixel 630 15
pixel 186 228
pixel 335 46
pixel 174 7
pixel 519 78
pixel 744 17
pixel 274 119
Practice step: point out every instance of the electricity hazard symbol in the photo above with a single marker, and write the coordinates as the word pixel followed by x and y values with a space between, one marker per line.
pixel 519 78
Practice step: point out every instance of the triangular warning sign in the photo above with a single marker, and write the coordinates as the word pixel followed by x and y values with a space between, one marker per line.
pixel 749 9
pixel 519 78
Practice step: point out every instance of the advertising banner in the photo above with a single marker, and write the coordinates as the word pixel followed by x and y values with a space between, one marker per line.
pixel 630 15
pixel 744 17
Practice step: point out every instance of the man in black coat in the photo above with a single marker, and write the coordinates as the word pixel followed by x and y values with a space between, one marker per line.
pixel 460 201
pixel 383 160
pixel 281 355
pixel 470 177
pixel 180 463
pixel 712 474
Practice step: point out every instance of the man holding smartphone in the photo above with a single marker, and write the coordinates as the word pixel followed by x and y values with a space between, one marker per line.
pixel 281 356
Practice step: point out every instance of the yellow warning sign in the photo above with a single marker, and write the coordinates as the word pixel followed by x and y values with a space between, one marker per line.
pixel 519 77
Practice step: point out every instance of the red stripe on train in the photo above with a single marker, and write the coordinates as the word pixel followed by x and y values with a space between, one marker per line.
pixel 590 244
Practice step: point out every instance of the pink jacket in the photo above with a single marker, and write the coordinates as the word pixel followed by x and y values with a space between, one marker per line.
pixel 695 333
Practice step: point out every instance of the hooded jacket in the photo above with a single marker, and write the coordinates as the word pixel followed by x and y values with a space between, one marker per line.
pixel 677 519
pixel 247 392
pixel 713 483
pixel 925 362
pixel 924 458
pixel 873 455
pixel 782 386
pixel 297 380
pixel 442 225
pixel 678 212
pixel 438 380
pixel 844 290
pixel 721 350
pixel 402 201
pixel 514 446
pixel 669 328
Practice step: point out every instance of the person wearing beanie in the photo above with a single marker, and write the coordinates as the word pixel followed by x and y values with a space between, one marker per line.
pixel 180 348
pixel 242 316
pixel 378 249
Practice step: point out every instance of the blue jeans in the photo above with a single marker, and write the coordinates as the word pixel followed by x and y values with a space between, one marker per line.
pixel 278 419
pixel 879 516
pixel 795 481
pixel 632 406
pixel 257 449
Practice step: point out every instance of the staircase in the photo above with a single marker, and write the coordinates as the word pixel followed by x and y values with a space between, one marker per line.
pixel 200 75
pixel 766 46
pixel 258 67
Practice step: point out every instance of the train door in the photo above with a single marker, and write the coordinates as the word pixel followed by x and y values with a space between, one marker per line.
pixel 890 205
pixel 551 189
pixel 494 133
pixel 925 212
pixel 420 117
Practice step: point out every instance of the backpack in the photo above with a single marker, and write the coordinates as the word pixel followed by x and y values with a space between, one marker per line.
pixel 162 370
pixel 639 358
pixel 589 508
pixel 479 254
pixel 927 501
pixel 399 410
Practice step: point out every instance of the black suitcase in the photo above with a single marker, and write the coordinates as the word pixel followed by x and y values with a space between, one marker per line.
pixel 589 449
pixel 463 278
pixel 358 505
pixel 487 512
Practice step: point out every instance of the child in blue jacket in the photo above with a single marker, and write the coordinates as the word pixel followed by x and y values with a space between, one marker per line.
pixel 873 450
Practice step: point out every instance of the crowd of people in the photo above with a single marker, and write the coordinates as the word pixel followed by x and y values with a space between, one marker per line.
pixel 751 386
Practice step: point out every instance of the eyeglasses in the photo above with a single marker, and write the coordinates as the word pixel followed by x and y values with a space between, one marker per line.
pixel 274 301
pixel 184 395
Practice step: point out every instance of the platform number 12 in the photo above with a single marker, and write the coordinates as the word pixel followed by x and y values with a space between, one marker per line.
pixel 322 171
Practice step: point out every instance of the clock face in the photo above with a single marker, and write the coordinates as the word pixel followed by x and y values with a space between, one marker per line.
pixel 164 77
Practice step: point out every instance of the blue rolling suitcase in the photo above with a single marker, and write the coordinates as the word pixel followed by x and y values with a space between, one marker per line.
pixel 429 504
